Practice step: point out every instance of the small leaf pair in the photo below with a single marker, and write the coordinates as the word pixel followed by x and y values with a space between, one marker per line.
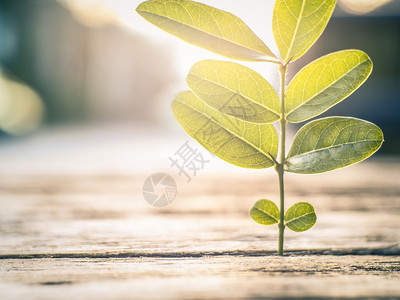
pixel 299 217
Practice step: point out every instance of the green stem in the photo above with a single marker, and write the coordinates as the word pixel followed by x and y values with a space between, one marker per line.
pixel 280 166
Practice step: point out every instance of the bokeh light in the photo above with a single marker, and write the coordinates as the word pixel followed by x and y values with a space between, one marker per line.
pixel 360 7
pixel 90 12
pixel 21 108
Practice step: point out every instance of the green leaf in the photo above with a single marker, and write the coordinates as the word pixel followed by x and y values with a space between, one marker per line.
pixel 297 24
pixel 234 90
pixel 206 27
pixel 300 217
pixel 331 143
pixel 240 143
pixel 265 212
pixel 325 82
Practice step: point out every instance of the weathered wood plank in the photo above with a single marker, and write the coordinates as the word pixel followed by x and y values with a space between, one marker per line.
pixel 224 277
pixel 94 236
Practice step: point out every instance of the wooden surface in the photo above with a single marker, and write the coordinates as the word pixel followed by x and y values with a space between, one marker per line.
pixel 93 236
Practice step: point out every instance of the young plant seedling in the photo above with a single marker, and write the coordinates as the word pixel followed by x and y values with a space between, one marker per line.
pixel 230 109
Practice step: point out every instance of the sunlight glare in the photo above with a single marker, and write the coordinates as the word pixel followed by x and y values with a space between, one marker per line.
pixel 123 12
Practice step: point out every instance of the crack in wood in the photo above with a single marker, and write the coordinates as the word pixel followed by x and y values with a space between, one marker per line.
pixel 393 250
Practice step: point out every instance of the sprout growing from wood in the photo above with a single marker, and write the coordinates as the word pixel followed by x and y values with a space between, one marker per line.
pixel 230 109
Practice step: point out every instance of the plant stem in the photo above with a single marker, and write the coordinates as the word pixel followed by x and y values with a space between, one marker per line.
pixel 280 166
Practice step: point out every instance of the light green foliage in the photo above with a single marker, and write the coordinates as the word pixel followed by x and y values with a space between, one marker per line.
pixel 234 90
pixel 206 27
pixel 265 212
pixel 230 108
pixel 297 24
pixel 240 143
pixel 325 82
pixel 300 217
pixel 331 143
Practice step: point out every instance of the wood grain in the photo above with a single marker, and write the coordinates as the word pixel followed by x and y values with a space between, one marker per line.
pixel 95 237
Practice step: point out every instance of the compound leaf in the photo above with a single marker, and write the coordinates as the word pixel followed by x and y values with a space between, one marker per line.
pixel 331 143
pixel 300 217
pixel 240 143
pixel 265 212
pixel 234 90
pixel 297 24
pixel 206 27
pixel 325 82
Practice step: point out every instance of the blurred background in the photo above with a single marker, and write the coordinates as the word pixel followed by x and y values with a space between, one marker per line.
pixel 93 81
